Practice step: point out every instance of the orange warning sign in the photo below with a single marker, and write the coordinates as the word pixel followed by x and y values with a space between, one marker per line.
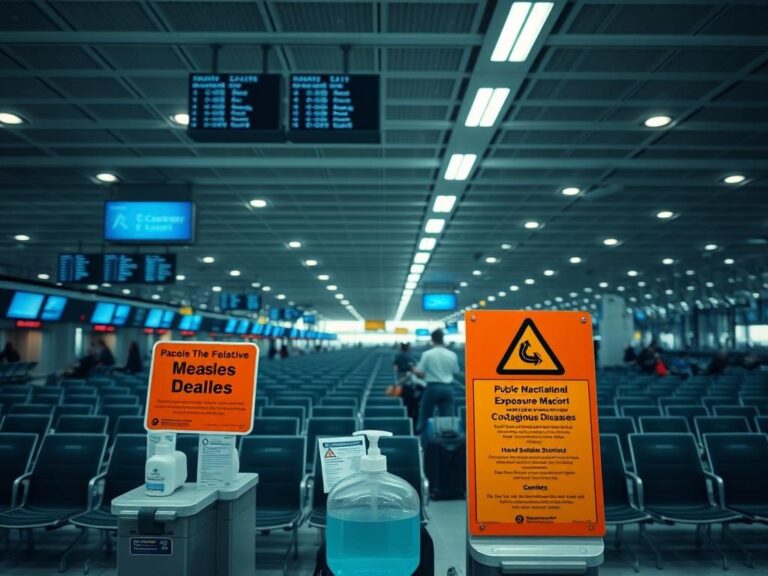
pixel 533 446
pixel 202 387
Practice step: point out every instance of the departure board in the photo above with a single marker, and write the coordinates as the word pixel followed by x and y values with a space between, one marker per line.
pixel 234 107
pixel 334 108
pixel 80 268
pixel 159 268
pixel 232 301
pixel 121 268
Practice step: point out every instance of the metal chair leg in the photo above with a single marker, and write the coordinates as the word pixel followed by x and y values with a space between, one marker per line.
pixel 296 542
pixel 727 533
pixel 714 547
pixel 651 544
pixel 70 549
pixel 621 544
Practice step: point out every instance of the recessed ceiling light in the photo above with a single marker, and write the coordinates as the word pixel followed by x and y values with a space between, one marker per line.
pixel 234 273
pixel 345 302
pixel 486 106
pixel 256 284
pixel 573 294
pixel 22 238
pixel 641 284
pixel 657 121
pixel 181 118
pixel 106 177
pixel 155 296
pixel 323 277
pixel 417 268
pixel 734 179
pixel 427 243
pixel 43 276
pixel 491 260
pixel 9 118
pixel 570 191
pixel 506 246
pixel 620 288
pixel 690 288
pixel 514 288
pixel 669 292
pixel 463 284
pixel 502 294
pixel 280 296
pixel 411 285
pixel 180 277
pixel 603 284
pixel 294 244
pixel 106 285
pixel 444 204
pixel 549 272
pixel 588 290
pixel 208 259
pixel 434 226
pixel 126 291
pixel 690 272
pixel 710 284
pixel 477 272
pixel 92 286
pixel 459 166
pixel 339 296
pixel 491 298
pixel 522 27
pixel 216 288
pixel 332 287
pixel 310 263
pixel 413 277
pixel 266 288
pixel 668 261
pixel 530 281
pixel 421 257
pixel 632 273
pixel 711 247
pixel 258 203
pixel 575 260
pixel 728 261
pixel 611 242
pixel 665 214
pixel 531 224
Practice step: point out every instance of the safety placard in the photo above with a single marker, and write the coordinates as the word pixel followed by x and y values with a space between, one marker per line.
pixel 202 387
pixel 533 446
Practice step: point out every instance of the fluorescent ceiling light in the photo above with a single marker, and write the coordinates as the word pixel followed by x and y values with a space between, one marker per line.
pixel 155 296
pixel 411 285
pixel 668 292
pixel 734 179
pixel 603 284
pixel 266 288
pixel 463 284
pixel 256 284
pixel 549 272
pixel 345 302
pixel 22 238
pixel 570 191
pixel 491 298
pixel 180 277
pixel 126 291
pixel 514 288
pixel 728 261
pixel 413 277
pixel 530 281
pixel 459 166
pixel 434 226
pixel 531 224
pixel 258 203
pixel 444 204
pixel 502 294
pixel 417 268
pixel 427 243
pixel 294 244
pixel 106 177
pixel 486 106
pixel 632 273
pixel 310 263
pixel 520 31
pixel 710 284
pixel 339 296
pixel 575 260
pixel 657 121
pixel 323 277
pixel 611 242
pixel 476 273
pixel 506 246
pixel 208 259
pixel 664 214
pixel 710 247
pixel 491 260
pixel 280 296
pixel 216 288
pixel 182 119
pixel 332 287
pixel 421 258
pixel 690 272
pixel 9 118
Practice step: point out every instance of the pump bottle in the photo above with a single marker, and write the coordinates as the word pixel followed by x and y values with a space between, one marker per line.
pixel 165 471
pixel 373 520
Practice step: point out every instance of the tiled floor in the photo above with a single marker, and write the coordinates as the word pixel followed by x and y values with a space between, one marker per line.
pixel 448 533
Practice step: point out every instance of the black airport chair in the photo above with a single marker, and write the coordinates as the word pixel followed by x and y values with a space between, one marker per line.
pixel 341 401
pixel 72 410
pixel 333 412
pixel 268 426
pixel 16 452
pixel 759 402
pixel 761 422
pixel 398 426
pixel 689 413
pixel 305 401
pixel 606 411
pixel 712 424
pixel 664 424
pixel 32 409
pixel 81 425
pixel 384 402
pixel 404 460
pixel 114 412
pixel 635 411
pixel 385 412
pixel 748 412
pixel 622 426
pixel 130 425
pixel 298 412
pixel 317 427
pixel 27 425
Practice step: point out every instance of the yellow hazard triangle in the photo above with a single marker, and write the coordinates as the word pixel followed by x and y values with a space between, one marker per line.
pixel 330 453
pixel 529 353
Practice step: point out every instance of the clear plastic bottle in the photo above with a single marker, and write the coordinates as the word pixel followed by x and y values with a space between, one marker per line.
pixel 373 520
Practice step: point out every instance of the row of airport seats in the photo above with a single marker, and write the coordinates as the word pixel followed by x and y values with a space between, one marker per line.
pixel 16 372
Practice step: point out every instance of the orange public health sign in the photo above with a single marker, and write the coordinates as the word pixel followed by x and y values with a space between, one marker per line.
pixel 533 446
pixel 202 387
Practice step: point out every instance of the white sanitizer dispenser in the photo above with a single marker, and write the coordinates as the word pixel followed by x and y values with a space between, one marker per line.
pixel 165 471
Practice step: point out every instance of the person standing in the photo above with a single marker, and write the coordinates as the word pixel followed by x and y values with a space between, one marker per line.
pixel 410 391
pixel 437 367
pixel 9 354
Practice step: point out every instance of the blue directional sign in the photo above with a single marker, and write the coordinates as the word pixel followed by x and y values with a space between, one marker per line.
pixel 149 222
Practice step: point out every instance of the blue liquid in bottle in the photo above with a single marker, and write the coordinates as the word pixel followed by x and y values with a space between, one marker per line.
pixel 388 546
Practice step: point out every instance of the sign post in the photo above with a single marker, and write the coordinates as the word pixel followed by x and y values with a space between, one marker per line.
pixel 534 491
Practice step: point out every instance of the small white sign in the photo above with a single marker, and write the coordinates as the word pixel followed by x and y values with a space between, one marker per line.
pixel 339 457
pixel 216 462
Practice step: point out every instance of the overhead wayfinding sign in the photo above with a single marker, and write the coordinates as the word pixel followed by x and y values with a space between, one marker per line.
pixel 202 387
pixel 533 446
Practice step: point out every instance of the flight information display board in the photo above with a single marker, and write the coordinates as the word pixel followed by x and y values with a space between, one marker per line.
pixel 80 268
pixel 234 107
pixel 117 268
pixel 334 108
pixel 233 301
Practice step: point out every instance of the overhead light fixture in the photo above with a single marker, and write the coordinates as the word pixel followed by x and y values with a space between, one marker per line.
pixel 710 247
pixel 491 298
pixel 266 288
pixel 421 258
pixel 155 296
pixel 491 260
pixel 728 261
pixel 411 285
pixel 444 204
pixel 522 27
pixel 43 276
pixel 570 191
pixel 22 238
pixel 332 287
pixel 669 292
pixel 417 268
pixel 10 118
pixel 294 244
pixel 573 294
pixel 323 277
pixel 339 296
pixel 477 273
pixel 668 261
pixel 632 273
pixel 258 203
pixel 514 288
pixel 345 302
pixel 603 285
pixel 486 106
pixel 427 243
pixel 234 273
pixel 531 225
pixel 734 179
pixel 502 294
pixel 413 277
pixel 126 291
pixel 690 272
pixel 310 263
pixel 657 121
pixel 216 288
pixel 434 226
pixel 549 272
pixel 208 259
pixel 463 284
pixel 710 284
pixel 106 177
pixel 256 284
pixel 575 260
pixel 665 214
pixel 620 288
pixel 530 281
pixel 611 242
pixel 506 246
pixel 92 286
pixel 180 277
pixel 182 119
pixel 280 296
pixel 459 166
pixel 641 284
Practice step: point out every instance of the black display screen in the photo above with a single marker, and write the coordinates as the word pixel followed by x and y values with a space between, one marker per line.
pixel 232 301
pixel 334 108
pixel 232 107
pixel 117 268
pixel 80 268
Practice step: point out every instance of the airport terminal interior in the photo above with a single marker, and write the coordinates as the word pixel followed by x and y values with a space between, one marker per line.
pixel 396 206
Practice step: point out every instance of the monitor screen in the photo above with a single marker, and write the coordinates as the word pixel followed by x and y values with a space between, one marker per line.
pixel 25 306
pixel 438 302
pixel 231 326
pixel 102 313
pixel 138 317
pixel 258 329
pixel 121 314
pixel 191 322
pixel 242 326
pixel 54 308
pixel 267 329
pixel 310 319
pixel 451 327
pixel 275 314
pixel 167 319
pixel 142 222
pixel 80 268
pixel 154 317
pixel 422 332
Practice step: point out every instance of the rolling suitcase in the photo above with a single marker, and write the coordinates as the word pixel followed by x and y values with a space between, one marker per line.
pixel 445 464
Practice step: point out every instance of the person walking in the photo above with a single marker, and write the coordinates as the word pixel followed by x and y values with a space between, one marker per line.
pixel 437 367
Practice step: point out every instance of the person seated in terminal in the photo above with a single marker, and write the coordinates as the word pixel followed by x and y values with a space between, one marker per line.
pixel 133 364
pixel 681 366
pixel 718 364
pixel 630 356
pixel 9 354
pixel 647 359
pixel 106 358
pixel 84 365
pixel 284 352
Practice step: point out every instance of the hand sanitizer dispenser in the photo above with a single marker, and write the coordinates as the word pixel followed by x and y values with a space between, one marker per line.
pixel 165 471
pixel 373 520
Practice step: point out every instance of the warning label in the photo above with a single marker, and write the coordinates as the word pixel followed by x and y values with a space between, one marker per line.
pixel 529 353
